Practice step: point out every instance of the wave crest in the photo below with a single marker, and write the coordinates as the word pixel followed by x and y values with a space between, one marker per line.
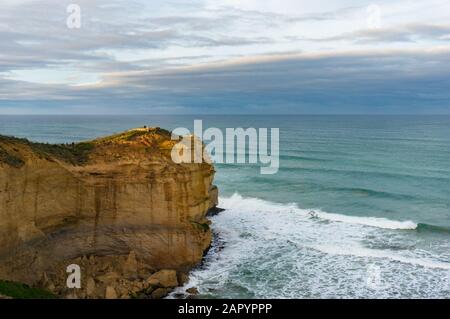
pixel 236 201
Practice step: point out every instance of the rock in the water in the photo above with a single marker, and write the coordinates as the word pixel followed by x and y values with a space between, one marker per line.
pixel 192 291
pixel 214 211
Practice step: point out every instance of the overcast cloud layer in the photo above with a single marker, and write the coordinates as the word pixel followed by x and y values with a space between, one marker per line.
pixel 225 56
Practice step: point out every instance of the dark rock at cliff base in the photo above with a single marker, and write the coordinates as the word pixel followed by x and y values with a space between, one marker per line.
pixel 214 211
pixel 192 291
pixel 160 293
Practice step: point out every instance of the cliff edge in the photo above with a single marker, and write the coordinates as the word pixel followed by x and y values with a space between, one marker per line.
pixel 119 207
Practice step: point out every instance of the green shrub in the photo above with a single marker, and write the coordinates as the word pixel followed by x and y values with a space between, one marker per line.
pixel 22 291
pixel 10 159
pixel 75 153
pixel 201 226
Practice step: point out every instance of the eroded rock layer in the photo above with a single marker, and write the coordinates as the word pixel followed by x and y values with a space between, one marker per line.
pixel 98 203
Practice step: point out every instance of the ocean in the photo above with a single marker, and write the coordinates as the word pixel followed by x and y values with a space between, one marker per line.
pixel 360 207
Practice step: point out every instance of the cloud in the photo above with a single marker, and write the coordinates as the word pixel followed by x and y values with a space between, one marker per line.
pixel 405 33
pixel 222 56
pixel 347 82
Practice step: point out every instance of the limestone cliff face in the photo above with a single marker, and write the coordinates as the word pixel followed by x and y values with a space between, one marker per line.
pixel 105 199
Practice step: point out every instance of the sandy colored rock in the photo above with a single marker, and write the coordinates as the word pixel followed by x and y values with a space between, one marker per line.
pixel 113 205
pixel 108 277
pixel 137 286
pixel 164 278
pixel 131 265
pixel 160 293
pixel 182 278
pixel 90 286
pixel 110 293
pixel 214 196
pixel 71 295
pixel 152 282
pixel 192 291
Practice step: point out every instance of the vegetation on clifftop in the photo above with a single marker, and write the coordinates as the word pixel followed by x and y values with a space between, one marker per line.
pixel 10 159
pixel 22 291
pixel 133 135
pixel 76 153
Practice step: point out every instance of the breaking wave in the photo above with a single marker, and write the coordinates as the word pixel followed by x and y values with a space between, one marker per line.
pixel 264 249
pixel 237 201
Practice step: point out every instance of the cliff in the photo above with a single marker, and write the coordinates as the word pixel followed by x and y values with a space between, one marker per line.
pixel 117 206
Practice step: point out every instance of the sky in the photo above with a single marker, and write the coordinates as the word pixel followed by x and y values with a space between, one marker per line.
pixel 224 57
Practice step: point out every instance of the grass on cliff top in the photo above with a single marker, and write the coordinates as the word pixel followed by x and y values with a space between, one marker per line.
pixel 21 291
pixel 76 153
pixel 133 134
pixel 10 159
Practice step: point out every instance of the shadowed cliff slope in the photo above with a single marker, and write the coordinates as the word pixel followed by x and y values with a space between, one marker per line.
pixel 118 206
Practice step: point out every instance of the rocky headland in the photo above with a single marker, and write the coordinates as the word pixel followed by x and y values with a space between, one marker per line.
pixel 119 207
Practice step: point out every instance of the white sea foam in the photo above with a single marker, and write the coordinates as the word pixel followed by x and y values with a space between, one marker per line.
pixel 279 250
pixel 359 251
pixel 369 221
pixel 237 201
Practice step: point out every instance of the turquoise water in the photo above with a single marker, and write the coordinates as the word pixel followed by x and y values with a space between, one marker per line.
pixel 379 187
